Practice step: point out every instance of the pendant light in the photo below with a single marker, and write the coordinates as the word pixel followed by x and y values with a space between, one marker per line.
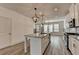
pixel 35 17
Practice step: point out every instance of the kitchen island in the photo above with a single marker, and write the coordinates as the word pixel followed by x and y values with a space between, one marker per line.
pixel 38 43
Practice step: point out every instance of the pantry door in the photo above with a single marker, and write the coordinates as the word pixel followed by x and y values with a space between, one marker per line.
pixel 5 32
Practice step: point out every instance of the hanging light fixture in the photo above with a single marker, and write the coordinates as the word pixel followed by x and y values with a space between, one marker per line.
pixel 35 17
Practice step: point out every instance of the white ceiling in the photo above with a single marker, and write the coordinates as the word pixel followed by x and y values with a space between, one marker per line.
pixel 27 9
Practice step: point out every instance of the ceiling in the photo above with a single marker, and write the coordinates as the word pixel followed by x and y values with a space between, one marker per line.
pixel 47 9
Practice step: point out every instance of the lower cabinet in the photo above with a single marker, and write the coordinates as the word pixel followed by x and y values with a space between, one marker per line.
pixel 70 43
pixel 73 45
pixel 76 47
pixel 38 44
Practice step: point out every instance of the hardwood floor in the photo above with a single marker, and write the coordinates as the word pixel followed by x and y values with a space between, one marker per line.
pixel 57 46
pixel 17 49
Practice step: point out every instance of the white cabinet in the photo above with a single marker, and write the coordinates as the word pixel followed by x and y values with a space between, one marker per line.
pixel 71 44
pixel 73 12
pixel 38 44
pixel 74 45
pixel 77 47
pixel 76 15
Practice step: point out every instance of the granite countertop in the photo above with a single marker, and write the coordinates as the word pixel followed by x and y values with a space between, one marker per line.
pixel 36 35
pixel 74 35
pixel 77 34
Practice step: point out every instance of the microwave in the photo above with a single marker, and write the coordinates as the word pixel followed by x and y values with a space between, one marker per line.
pixel 72 23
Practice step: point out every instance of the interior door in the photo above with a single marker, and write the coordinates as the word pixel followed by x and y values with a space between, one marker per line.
pixel 5 32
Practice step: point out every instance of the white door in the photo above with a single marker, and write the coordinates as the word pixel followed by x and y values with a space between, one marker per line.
pixel 5 32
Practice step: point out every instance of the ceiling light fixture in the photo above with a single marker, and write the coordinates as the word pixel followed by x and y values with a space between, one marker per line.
pixel 35 17
pixel 55 9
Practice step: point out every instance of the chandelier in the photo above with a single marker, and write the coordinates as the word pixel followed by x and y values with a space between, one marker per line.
pixel 35 17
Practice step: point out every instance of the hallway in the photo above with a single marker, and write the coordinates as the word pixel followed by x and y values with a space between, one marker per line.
pixel 57 46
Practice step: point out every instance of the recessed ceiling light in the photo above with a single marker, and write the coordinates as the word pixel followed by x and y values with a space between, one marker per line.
pixel 55 9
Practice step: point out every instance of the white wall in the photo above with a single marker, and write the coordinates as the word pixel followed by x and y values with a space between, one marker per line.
pixel 20 25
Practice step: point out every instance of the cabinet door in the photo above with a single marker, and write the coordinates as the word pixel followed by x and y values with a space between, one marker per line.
pixel 73 47
pixel 77 47
pixel 74 10
pixel 70 43
pixel 5 32
pixel 76 15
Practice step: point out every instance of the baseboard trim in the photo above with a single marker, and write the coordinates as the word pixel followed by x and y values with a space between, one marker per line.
pixel 11 45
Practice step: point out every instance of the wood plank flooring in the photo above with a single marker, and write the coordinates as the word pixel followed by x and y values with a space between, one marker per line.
pixel 17 49
pixel 57 46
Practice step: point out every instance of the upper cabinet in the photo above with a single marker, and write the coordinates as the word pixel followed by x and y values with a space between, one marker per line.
pixel 77 14
pixel 73 13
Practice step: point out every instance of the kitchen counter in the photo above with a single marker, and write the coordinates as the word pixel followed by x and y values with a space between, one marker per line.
pixel 76 35
pixel 71 33
pixel 37 35
pixel 38 43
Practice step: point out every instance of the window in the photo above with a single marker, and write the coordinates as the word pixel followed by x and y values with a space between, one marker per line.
pixel 50 28
pixel 45 28
pixel 56 27
pixel 38 28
